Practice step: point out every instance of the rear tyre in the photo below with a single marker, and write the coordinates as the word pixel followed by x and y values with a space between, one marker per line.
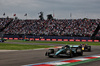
pixel 50 56
pixel 69 52
pixel 50 51
pixel 89 48
pixel 71 55
pixel 81 54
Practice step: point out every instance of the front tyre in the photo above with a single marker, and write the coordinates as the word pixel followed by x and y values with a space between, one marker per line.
pixel 50 51
pixel 79 51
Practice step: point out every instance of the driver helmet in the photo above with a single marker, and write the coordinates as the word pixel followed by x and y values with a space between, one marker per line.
pixel 67 46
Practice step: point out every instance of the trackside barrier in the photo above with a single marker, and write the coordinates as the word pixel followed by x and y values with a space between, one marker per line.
pixel 83 40
pixel 59 39
pixel 96 40
pixel 47 39
pixel 31 39
pixel 37 39
pixel 90 40
pixel 20 38
pixel 54 39
pixel 5 38
pixel 77 40
pixel 65 40
pixel 71 40
pixel 11 38
pixel 15 38
pixel 42 39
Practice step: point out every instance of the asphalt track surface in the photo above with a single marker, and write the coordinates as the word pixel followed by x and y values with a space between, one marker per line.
pixel 24 57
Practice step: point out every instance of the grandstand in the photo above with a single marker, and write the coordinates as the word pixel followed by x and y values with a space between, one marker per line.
pixel 58 27
pixel 98 34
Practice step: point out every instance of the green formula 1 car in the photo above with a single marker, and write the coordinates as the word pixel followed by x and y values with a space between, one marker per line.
pixel 2 40
pixel 67 50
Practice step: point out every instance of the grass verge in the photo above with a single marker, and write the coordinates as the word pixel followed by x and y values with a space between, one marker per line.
pixel 56 42
pixel 4 46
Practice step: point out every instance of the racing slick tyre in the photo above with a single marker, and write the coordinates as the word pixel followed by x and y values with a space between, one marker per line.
pixel 69 52
pixel 89 48
pixel 50 56
pixel 50 51
pixel 81 54
pixel 79 51
pixel 71 55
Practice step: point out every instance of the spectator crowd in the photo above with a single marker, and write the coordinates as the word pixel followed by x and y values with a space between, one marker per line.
pixel 98 34
pixel 61 27
pixel 3 22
